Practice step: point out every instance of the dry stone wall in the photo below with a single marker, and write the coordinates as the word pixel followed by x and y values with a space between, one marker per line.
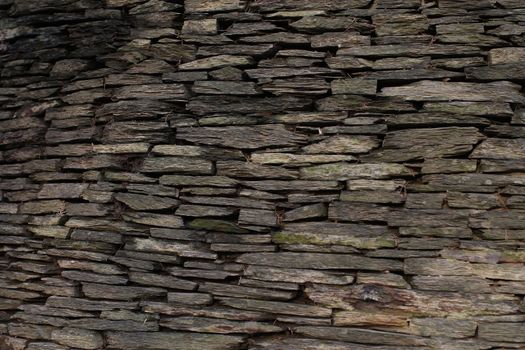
pixel 268 174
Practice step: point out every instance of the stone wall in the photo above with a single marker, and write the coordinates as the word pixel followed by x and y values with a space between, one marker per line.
pixel 269 174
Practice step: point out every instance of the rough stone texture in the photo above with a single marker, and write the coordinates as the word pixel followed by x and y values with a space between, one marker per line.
pixel 262 174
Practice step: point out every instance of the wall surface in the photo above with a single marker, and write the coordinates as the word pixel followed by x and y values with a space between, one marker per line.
pixel 269 174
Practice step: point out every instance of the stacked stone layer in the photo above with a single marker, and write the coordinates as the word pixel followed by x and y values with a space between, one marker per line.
pixel 263 174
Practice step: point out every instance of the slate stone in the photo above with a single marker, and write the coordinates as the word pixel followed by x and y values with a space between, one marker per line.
pixel 200 27
pixel 239 169
pixel 506 55
pixel 62 190
pixel 144 202
pixel 149 279
pixel 202 105
pixel 182 165
pixel 225 88
pixel 171 340
pixel 217 62
pixel 318 261
pixel 494 148
pixel 242 137
pixel 442 91
pixel 344 171
pixel 244 292
pixel 343 144
pixel 453 303
pixel 502 331
pixel 167 247
pixel 210 325
pixel 291 174
pixel 276 307
pixel 78 338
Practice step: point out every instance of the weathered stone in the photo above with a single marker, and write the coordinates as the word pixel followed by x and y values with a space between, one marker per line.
pixel 493 148
pixel 102 236
pixel 144 202
pixel 197 151
pixel 93 277
pixel 150 279
pixel 424 266
pixel 87 304
pixel 495 72
pixel 98 291
pixel 161 220
pixel 360 318
pixel 409 50
pixel 498 220
pixel 346 211
pixel 360 335
pixel 171 340
pixel 213 325
pixel 202 105
pixel 242 137
pixel 502 331
pixel 399 24
pixel 239 169
pixel 411 302
pixel 30 331
pixel 258 217
pixel 425 200
pixel 318 261
pixel 107 269
pixel 217 62
pixel 472 200
pixel 276 307
pixel 290 159
pixel 306 212
pixel 244 292
pixel 62 190
pixel 185 180
pixel 338 39
pixel 296 275
pixel 277 38
pixel 311 236
pixel 506 55
pixel 253 50
pixel 183 165
pixel 115 325
pixel 354 86
pixel 296 5
pixel 427 143
pixel 459 232
pixel 374 196
pixel 344 171
pixel 78 338
pixel 50 231
pixel 321 23
pixel 164 246
pixel 200 27
pixel 208 272
pixel 277 185
pixel 446 91
pixel 436 327
pixel 343 144
pixel 225 88
pixel 203 210
pixel 190 298
pixel 216 225
pixel 444 166
pixel 469 108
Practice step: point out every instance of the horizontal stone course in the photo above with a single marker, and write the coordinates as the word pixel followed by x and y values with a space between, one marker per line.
pixel 227 175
